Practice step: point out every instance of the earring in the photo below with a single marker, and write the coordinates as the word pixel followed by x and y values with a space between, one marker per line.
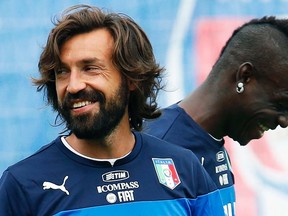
pixel 240 88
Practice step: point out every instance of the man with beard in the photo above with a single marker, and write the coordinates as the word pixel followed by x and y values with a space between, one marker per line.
pixel 99 73
pixel 244 95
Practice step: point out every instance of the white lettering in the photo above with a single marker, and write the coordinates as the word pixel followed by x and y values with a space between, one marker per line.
pixel 115 176
pixel 220 156
pixel 221 168
pixel 223 179
pixel 118 186
pixel 228 209
pixel 125 196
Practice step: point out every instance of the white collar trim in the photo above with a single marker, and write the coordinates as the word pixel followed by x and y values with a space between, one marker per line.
pixel 69 147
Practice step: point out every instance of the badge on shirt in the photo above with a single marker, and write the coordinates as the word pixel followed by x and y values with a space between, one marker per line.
pixel 166 172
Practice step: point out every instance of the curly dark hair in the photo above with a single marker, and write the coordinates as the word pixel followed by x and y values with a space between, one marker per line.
pixel 132 56
pixel 261 41
pixel 268 21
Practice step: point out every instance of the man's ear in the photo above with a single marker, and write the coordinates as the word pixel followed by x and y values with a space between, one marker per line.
pixel 131 85
pixel 245 72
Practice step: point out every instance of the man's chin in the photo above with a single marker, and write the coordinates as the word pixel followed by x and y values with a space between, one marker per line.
pixel 242 142
pixel 91 134
pixel 82 135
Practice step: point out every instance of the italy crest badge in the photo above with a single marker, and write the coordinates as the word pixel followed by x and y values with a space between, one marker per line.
pixel 166 172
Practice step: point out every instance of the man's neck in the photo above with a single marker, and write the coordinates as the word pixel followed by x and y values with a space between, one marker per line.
pixel 113 146
pixel 198 105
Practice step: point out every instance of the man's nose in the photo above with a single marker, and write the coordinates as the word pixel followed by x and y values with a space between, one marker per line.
pixel 283 120
pixel 76 83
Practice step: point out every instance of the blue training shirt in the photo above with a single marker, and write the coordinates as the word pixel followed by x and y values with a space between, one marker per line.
pixel 176 126
pixel 157 178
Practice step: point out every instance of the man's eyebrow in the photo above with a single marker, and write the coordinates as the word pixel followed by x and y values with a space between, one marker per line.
pixel 90 60
pixel 83 62
pixel 282 95
pixel 282 92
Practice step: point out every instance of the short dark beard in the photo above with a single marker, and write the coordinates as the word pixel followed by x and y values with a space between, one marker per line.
pixel 100 125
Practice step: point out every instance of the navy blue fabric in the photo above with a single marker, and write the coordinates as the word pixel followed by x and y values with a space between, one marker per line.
pixel 55 181
pixel 177 127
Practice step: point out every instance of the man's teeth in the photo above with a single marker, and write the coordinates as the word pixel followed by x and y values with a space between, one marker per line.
pixel 81 104
pixel 263 127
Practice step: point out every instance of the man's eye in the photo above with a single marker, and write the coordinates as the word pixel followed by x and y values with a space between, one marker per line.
pixel 91 68
pixel 282 108
pixel 60 71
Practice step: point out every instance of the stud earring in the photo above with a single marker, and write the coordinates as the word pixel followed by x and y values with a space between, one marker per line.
pixel 240 88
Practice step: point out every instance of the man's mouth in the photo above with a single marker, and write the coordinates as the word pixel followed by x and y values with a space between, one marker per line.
pixel 263 127
pixel 80 104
